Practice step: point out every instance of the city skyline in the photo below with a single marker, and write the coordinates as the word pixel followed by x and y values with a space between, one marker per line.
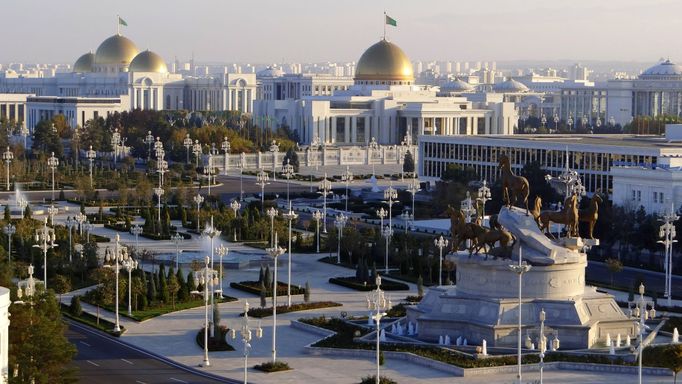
pixel 246 32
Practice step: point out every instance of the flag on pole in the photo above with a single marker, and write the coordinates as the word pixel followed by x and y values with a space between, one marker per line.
pixel 122 22
pixel 391 21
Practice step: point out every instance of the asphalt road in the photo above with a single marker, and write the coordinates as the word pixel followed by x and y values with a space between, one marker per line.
pixel 652 280
pixel 102 360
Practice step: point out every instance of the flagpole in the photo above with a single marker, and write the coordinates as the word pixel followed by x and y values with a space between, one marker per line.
pixel 384 25
pixel 118 24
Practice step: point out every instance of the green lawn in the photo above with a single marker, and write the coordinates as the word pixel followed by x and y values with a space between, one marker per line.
pixel 91 320
pixel 159 310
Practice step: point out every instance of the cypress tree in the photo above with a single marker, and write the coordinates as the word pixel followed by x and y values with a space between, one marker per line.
pixel 8 214
pixel 306 294
pixel 151 289
pixel 267 278
pixel 183 293
pixel 263 295
pixel 216 323
pixel 164 293
pixel 191 285
pixel 260 274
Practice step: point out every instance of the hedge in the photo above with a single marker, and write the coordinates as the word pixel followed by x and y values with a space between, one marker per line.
pixel 352 283
pixel 254 287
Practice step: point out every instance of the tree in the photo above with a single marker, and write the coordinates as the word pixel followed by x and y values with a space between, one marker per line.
pixel 263 295
pixel 306 294
pixel 61 285
pixel 45 139
pixel 216 323
pixel 292 156
pixel 138 289
pixel 191 285
pixel 614 266
pixel 173 287
pixel 183 293
pixel 40 352
pixel 408 163
pixel 75 307
pixel 8 214
pixel 666 356
pixel 151 288
pixel 420 286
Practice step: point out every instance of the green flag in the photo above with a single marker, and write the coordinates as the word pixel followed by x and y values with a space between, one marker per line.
pixel 122 22
pixel 391 21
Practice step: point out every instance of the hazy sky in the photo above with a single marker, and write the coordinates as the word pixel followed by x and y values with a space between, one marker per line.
pixel 260 31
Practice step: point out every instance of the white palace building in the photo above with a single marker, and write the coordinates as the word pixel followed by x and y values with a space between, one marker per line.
pixel 119 77
pixel 382 103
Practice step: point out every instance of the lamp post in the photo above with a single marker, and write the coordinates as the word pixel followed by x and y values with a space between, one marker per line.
pixel 542 342
pixel 406 218
pixel 91 155
pixel 51 212
pixel 390 196
pixel 668 233
pixel 288 172
pixel 347 177
pixel 235 205
pixel 242 164
pixel 187 142
pixel 136 230
pixel 226 147
pixel 583 121
pixel 159 192
pixel 9 230
pixel 129 264
pixel 387 232
pixel 275 251
pixel 116 256
pixel 149 140
pixel 198 199
pixel 47 237
pixel 290 216
pixel 324 189
pixel 483 196
pixel 274 148
pixel 87 227
pixel 340 223
pixel 246 337
pixel 377 303
pixel 70 223
pixel 317 216
pixel 272 213
pixel 80 219
pixel 314 145
pixel 373 147
pixel 52 163
pixel 177 239
pixel 440 243
pixel 8 156
pixel 24 132
pixel 211 233
pixel 262 181
pixel 115 142
pixel 638 309
pixel 381 212
pixel 556 121
pixel 520 269
pixel 569 122
pixel 222 251
pixel 543 120
pixel 413 188
pixel 197 151
pixel 205 276
pixel 161 166
pixel 208 171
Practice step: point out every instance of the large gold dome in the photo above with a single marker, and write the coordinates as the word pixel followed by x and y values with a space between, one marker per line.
pixel 384 61
pixel 148 61
pixel 116 50
pixel 84 63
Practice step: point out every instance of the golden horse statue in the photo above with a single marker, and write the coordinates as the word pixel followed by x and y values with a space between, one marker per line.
pixel 489 237
pixel 568 216
pixel 591 214
pixel 461 230
pixel 517 184
pixel 537 209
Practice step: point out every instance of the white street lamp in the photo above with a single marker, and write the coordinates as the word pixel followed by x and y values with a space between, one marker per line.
pixel 198 199
pixel 638 309
pixel 387 232
pixel 226 147
pixel 222 251
pixel 324 189
pixel 209 172
pixel 274 148
pixel 91 155
pixel 317 216
pixel 115 143
pixel 347 177
pixel 520 268
pixel 206 277
pixel 177 239
pixel 159 192
pixel 235 205
pixel 187 142
pixel 116 256
pixel 373 147
pixel 129 264
pixel 272 213
pixel 275 252
pixel 381 212
pixel 136 230
pixel 390 195
pixel 312 152
pixel 80 219
pixel 290 216
pixel 288 172
pixel 52 163
pixel 197 151
pixel 9 230
pixel 378 303
pixel 70 223
pixel 413 188
pixel 668 233
pixel 246 337
pixel 47 236
pixel 149 140
pixel 161 166
pixel 211 232
pixel 51 212
pixel 24 132
pixel 262 181
pixel 8 156
pixel 484 196
pixel 241 165
pixel 440 243
pixel 87 227
pixel 340 223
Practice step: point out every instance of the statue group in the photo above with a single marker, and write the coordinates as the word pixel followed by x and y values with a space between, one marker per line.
pixel 497 241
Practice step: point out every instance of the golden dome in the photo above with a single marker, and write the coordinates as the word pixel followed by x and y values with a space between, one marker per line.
pixel 384 61
pixel 148 61
pixel 84 63
pixel 115 50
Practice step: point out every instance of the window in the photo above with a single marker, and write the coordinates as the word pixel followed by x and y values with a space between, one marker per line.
pixel 634 195
pixel 639 195
pixel 655 197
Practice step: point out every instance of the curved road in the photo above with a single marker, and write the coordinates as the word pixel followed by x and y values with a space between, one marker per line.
pixel 103 359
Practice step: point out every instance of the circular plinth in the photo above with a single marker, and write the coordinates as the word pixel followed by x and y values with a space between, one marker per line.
pixel 495 279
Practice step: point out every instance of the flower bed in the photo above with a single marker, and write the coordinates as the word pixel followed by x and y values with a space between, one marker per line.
pixel 255 286
pixel 265 312
pixel 215 344
pixel 353 283
pixel 270 366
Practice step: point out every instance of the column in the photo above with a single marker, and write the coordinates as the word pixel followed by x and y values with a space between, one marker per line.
pixel 347 122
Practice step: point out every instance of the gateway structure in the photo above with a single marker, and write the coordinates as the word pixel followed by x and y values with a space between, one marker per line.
pixel 384 103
